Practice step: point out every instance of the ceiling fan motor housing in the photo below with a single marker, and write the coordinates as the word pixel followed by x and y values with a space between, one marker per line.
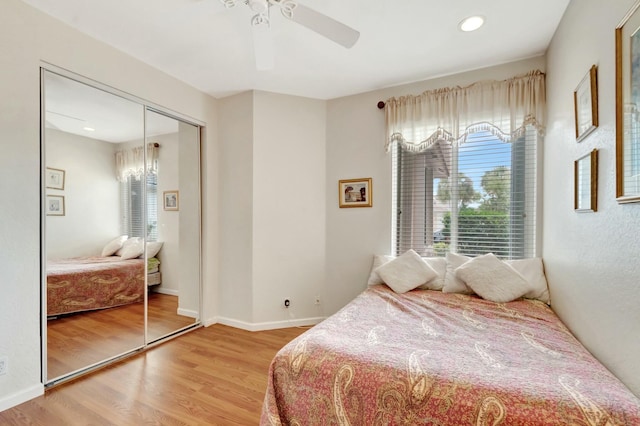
pixel 258 6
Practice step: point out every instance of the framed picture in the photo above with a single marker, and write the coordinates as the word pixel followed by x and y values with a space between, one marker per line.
pixel 55 205
pixel 586 183
pixel 54 178
pixel 355 192
pixel 585 99
pixel 628 107
pixel 171 200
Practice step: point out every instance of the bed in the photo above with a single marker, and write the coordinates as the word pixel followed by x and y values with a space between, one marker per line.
pixel 90 283
pixel 429 357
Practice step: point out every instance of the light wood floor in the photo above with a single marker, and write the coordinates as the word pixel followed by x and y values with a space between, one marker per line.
pixel 79 340
pixel 210 376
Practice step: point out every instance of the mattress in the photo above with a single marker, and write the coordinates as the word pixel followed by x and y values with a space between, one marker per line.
pixel 89 283
pixel 427 357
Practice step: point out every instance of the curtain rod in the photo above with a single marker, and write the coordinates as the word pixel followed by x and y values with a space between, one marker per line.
pixel 381 105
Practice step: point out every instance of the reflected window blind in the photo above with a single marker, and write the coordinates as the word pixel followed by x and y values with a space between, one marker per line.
pixel 481 198
pixel 132 220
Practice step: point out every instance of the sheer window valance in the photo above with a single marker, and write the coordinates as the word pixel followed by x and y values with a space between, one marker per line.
pixel 502 107
pixel 130 162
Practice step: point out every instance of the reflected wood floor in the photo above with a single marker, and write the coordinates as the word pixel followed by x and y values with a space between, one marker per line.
pixel 210 376
pixel 79 340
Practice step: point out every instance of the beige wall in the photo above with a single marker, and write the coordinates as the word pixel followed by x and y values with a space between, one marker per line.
pixel 590 258
pixel 272 210
pixel 28 37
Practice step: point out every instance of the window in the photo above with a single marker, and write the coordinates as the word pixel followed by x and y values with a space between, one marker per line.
pixel 472 197
pixel 132 216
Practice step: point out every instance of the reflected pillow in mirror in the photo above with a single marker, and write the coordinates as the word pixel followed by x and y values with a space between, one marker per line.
pixel 133 250
pixel 113 246
pixel 127 243
pixel 153 248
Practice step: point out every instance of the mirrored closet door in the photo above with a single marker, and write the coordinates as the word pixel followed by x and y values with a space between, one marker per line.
pixel 121 224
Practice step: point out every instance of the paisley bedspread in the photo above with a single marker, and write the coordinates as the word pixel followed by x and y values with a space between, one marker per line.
pixel 88 283
pixel 427 357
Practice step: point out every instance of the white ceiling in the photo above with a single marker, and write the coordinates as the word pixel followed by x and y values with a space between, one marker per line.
pixel 210 47
pixel 77 108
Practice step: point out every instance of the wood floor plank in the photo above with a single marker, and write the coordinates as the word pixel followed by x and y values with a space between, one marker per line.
pixel 210 376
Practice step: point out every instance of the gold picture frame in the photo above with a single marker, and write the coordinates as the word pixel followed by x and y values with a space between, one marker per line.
pixel 586 183
pixel 355 192
pixel 171 200
pixel 54 178
pixel 55 205
pixel 628 107
pixel 585 101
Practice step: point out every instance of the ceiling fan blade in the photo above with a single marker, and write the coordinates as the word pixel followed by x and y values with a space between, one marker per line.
pixel 324 25
pixel 262 45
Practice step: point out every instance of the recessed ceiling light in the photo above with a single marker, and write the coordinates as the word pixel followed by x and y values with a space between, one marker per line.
pixel 89 129
pixel 471 23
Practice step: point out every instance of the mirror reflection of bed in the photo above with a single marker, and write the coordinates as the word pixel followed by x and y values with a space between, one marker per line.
pixel 114 248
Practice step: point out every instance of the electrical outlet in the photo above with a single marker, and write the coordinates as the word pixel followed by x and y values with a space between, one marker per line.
pixel 317 300
pixel 4 365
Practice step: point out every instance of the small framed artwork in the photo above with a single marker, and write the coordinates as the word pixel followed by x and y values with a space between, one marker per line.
pixel 586 183
pixel 171 200
pixel 355 192
pixel 585 99
pixel 54 178
pixel 55 205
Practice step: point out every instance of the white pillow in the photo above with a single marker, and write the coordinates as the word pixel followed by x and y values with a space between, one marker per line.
pixel 453 284
pixel 492 279
pixel 153 248
pixel 378 260
pixel 406 272
pixel 438 264
pixel 113 246
pixel 131 248
pixel 132 240
pixel 533 271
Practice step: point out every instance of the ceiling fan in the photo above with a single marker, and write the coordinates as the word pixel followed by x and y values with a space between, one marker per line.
pixel 291 9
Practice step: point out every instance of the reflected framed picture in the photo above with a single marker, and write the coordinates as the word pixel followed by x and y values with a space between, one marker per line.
pixel 628 107
pixel 54 178
pixel 355 192
pixel 585 99
pixel 55 205
pixel 171 200
pixel 586 183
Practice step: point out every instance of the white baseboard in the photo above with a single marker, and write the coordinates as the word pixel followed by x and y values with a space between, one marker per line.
pixel 168 291
pixel 271 325
pixel 22 396
pixel 188 313
pixel 210 321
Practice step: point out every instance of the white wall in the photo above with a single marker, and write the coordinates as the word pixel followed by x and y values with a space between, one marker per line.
pixel 289 206
pixel 189 223
pixel 590 258
pixel 28 37
pixel 90 193
pixel 236 201
pixel 355 149
pixel 273 209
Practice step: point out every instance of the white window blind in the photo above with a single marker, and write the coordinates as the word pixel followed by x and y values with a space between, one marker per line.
pixel 474 196
pixel 132 215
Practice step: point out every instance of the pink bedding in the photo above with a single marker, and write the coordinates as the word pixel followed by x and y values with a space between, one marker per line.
pixel 88 283
pixel 428 357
